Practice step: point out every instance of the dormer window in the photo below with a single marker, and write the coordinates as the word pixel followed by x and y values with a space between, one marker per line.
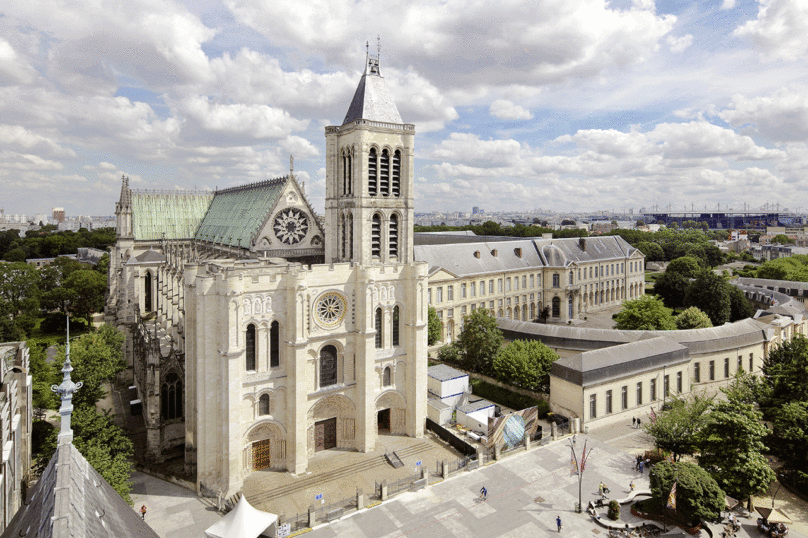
pixel 518 252
pixel 494 253
pixel 477 254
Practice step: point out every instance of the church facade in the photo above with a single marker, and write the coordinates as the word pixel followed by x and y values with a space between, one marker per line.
pixel 260 334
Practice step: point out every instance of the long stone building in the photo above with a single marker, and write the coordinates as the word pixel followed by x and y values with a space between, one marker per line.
pixel 261 334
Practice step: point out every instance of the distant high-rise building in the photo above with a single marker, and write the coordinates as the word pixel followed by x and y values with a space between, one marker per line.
pixel 477 210
pixel 59 214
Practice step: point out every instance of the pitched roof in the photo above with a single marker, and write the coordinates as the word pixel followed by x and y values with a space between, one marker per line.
pixel 72 500
pixel 444 372
pixel 168 214
pixel 372 100
pixel 237 214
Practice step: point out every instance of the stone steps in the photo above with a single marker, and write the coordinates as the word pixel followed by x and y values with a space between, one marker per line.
pixel 319 479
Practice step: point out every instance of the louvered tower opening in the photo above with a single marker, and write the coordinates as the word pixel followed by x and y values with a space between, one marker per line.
pixel 393 236
pixel 395 180
pixel 384 173
pixel 372 172
pixel 376 237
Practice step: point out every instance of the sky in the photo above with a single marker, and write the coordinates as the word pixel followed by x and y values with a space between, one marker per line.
pixel 519 105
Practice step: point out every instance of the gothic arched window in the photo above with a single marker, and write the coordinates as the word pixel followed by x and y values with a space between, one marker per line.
pixel 263 404
pixel 384 173
pixel 373 164
pixel 378 326
pixel 393 233
pixel 387 377
pixel 395 325
pixel 328 366
pixel 274 345
pixel 395 179
pixel 250 342
pixel 376 237
pixel 147 293
pixel 171 397
pixel 343 234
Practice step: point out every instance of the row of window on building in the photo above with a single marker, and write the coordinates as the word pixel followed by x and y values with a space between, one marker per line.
pixel 624 405
pixel 384 172
pixel 711 371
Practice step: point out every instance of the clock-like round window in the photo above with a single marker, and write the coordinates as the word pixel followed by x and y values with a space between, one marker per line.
pixel 330 309
pixel 291 226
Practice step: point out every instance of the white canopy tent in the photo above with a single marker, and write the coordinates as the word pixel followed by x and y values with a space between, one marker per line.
pixel 243 521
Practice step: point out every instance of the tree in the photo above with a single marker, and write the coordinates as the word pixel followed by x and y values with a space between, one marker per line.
pixel 434 326
pixel 44 376
pixel 97 358
pixel 671 288
pixel 791 434
pixel 647 313
pixel 687 266
pixel 676 429
pixel 90 288
pixel 731 445
pixel 692 318
pixel 711 294
pixel 739 305
pixel 698 495
pixel 526 364
pixel 19 285
pixel 653 252
pixel 785 372
pixel 782 239
pixel 479 341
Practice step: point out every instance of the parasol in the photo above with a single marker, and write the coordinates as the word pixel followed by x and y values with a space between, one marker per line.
pixel 773 516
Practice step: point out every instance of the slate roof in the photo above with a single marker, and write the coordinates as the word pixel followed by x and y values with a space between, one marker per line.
pixel 72 500
pixel 150 256
pixel 372 100
pixel 443 372
pixel 167 214
pixel 459 257
pixel 237 214
pixel 601 365
pixel 699 341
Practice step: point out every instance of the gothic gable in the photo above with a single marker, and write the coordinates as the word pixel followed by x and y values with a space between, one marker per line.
pixel 291 227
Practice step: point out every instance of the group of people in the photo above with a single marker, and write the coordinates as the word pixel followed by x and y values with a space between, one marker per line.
pixel 776 530
pixel 636 422
pixel 640 464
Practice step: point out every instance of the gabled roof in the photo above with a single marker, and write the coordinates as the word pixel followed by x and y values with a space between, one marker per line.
pixel 150 256
pixel 72 500
pixel 372 100
pixel 237 214
pixel 168 214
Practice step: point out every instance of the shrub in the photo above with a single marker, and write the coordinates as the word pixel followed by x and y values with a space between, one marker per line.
pixel 614 510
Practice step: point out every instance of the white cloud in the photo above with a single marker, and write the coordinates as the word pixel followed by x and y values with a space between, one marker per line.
pixel 259 121
pixel 728 4
pixel 506 110
pixel 780 28
pixel 13 67
pixel 781 116
pixel 679 44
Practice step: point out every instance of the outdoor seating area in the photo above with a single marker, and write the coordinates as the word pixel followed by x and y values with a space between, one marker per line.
pixel 773 522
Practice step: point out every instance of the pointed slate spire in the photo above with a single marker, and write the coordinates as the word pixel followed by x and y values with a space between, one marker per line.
pixel 372 100
pixel 65 390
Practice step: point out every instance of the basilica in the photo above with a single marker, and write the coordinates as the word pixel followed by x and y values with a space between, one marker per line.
pixel 259 333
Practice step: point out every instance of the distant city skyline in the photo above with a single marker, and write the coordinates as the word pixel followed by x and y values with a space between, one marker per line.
pixel 569 106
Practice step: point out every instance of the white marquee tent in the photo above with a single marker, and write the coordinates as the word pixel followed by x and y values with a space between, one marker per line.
pixel 243 521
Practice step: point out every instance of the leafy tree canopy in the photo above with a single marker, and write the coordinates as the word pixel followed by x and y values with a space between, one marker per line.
pixel 687 266
pixel 782 239
pixel 692 318
pixel 645 313
pixel 434 326
pixel 671 288
pixel 676 430
pixel 698 495
pixel 526 364
pixel 479 341
pixel 711 294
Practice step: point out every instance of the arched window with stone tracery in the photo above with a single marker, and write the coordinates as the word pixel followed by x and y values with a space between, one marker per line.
pixel 171 397
pixel 328 366
pixel 373 168
pixel 387 377
pixel 396 329
pixel 263 404
pixel 393 234
pixel 250 345
pixel 274 345
pixel 376 236
pixel 377 324
pixel 395 176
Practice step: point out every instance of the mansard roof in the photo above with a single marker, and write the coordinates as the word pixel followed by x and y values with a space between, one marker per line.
pixel 168 214
pixel 237 214
pixel 72 500
pixel 372 100
pixel 586 249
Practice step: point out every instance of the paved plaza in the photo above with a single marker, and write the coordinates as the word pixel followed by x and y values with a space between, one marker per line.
pixel 527 490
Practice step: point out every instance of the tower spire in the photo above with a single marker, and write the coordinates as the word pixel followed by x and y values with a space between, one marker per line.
pixel 65 390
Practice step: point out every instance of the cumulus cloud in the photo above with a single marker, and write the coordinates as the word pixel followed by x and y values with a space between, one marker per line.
pixel 781 116
pixel 780 28
pixel 506 110
pixel 258 121
pixel 14 68
pixel 679 44
pixel 728 4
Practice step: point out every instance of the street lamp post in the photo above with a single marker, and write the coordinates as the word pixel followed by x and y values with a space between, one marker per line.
pixel 579 466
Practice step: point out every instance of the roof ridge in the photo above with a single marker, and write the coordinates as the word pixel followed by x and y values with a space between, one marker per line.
pixel 248 186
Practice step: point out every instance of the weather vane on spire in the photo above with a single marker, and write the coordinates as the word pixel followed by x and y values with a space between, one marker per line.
pixel 65 391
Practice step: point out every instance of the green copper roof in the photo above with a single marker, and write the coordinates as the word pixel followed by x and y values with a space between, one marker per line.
pixel 236 214
pixel 167 214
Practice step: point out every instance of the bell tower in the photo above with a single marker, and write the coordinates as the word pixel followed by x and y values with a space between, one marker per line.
pixel 369 178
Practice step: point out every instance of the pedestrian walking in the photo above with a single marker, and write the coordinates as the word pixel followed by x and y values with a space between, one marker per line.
pixel 634 422
pixel 639 422
pixel 631 486
pixel 637 461
pixel 642 466
pixel 573 439
pixel 483 493
pixel 143 513
pixel 558 522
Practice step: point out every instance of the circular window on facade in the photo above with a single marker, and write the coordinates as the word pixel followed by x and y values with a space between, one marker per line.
pixel 329 310
pixel 291 226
